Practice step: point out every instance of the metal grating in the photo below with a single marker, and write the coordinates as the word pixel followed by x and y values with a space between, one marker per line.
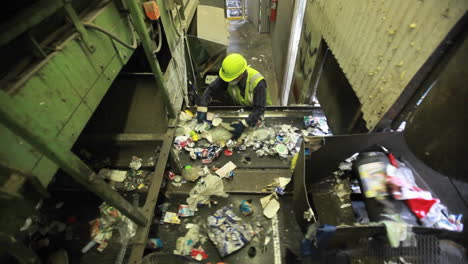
pixel 426 251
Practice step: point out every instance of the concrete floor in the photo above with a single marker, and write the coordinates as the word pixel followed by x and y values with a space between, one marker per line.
pixel 255 47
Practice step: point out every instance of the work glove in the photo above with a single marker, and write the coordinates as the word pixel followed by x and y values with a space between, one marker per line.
pixel 237 129
pixel 201 113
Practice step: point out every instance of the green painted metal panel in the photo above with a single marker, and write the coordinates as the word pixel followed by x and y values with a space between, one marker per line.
pixel 48 97
pixel 99 89
pixel 15 152
pixel 80 78
pixel 66 89
pixel 45 169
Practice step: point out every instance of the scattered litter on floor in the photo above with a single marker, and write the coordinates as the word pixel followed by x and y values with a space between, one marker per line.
pixel 206 187
pixel 136 163
pixel 163 207
pixel 199 254
pixel 278 185
pixel 171 218
pixel 154 243
pixel 270 205
pixel 191 173
pixel 103 227
pixel 397 231
pixel 346 205
pixel 246 207
pixel 135 180
pixel 185 244
pixel 113 175
pixel 185 115
pixel 185 211
pixel 226 171
pixel 227 231
pixel 315 126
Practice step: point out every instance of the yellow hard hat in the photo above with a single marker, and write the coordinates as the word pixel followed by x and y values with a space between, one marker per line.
pixel 233 66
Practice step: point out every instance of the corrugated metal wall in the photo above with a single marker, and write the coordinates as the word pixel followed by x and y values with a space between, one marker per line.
pixel 381 44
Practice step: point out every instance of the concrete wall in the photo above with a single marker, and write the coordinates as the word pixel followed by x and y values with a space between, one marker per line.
pixel 279 31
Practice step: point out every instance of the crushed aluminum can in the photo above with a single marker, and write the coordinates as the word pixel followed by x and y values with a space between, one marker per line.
pixel 228 152
pixel 206 161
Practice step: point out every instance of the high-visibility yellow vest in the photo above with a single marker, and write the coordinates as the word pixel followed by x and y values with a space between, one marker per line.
pixel 253 78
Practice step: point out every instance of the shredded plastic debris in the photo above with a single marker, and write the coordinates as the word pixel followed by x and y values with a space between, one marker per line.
pixel 185 244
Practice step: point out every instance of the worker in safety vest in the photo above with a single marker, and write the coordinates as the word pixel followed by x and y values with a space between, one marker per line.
pixel 245 86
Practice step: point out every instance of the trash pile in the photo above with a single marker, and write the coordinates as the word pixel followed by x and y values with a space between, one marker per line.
pixel 209 140
pixel 281 140
pixel 385 180
pixel 315 126
pixel 41 229
pixel 227 231
pixel 130 180
pixel 206 187
pixel 103 227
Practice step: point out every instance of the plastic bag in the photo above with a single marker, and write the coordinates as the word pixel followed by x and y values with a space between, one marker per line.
pixel 210 185
pixel 127 229
pixel 217 134
pixel 185 244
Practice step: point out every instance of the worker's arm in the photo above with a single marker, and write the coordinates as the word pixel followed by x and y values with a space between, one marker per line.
pixel 217 86
pixel 259 102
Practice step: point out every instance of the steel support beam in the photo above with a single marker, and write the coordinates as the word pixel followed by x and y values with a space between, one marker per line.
pixel 24 126
pixel 138 18
pixel 294 38
pixel 139 241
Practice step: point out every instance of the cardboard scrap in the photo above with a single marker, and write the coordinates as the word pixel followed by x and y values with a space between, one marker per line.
pixel 224 171
pixel 270 205
pixel 171 218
